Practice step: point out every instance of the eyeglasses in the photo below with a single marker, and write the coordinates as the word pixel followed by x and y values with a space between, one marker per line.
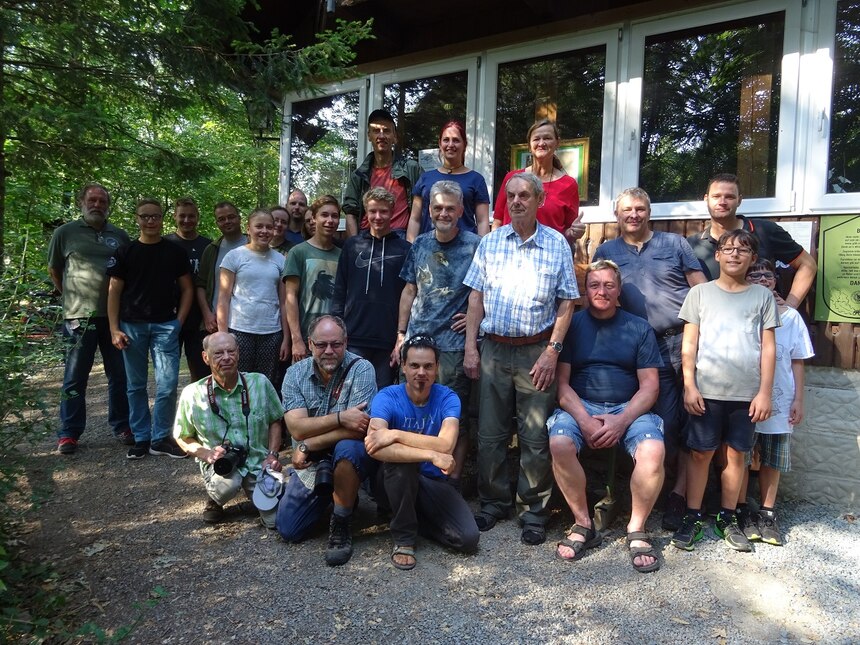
pixel 760 275
pixel 335 345
pixel 731 250
pixel 150 218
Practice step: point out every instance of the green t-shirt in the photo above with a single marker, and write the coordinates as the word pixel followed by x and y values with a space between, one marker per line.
pixel 81 254
pixel 316 270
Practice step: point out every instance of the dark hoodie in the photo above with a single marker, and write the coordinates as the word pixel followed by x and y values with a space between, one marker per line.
pixel 367 288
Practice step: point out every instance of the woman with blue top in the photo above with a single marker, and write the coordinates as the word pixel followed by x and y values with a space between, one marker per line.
pixel 476 199
pixel 251 300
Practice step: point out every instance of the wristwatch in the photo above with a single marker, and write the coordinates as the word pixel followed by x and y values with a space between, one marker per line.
pixel 303 447
pixel 273 453
pixel 556 346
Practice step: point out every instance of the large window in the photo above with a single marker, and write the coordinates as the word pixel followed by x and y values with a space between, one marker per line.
pixel 843 170
pixel 567 88
pixel 710 103
pixel 421 107
pixel 324 135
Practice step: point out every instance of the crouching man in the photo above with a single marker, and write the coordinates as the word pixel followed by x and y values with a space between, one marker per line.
pixel 413 431
pixel 231 422
pixel 325 397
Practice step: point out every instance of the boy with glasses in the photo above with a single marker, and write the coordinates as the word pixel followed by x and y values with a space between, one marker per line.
pixel 773 435
pixel 728 355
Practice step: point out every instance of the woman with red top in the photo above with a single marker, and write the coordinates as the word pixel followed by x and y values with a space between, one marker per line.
pixel 560 209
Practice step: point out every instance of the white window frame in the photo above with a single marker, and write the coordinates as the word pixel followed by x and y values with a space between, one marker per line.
pixel 468 64
pixel 628 143
pixel 332 89
pixel 817 76
pixel 486 141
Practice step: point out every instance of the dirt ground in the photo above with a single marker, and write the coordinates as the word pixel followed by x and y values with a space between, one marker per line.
pixel 123 532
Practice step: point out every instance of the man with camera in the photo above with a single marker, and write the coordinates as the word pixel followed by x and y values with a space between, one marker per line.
pixel 231 422
pixel 326 397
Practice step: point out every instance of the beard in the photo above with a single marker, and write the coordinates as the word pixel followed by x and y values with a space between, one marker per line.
pixel 94 217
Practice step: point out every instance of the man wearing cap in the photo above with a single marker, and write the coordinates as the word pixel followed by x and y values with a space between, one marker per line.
pixel 228 410
pixel 325 398
pixel 523 289
pixel 381 168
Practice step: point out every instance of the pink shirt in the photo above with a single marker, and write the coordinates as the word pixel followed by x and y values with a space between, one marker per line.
pixel 382 177
pixel 559 209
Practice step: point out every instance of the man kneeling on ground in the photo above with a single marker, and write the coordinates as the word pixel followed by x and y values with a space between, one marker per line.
pixel 231 422
pixel 413 431
pixel 607 383
pixel 325 397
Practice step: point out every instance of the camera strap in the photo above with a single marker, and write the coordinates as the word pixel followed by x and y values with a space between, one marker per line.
pixel 335 392
pixel 246 405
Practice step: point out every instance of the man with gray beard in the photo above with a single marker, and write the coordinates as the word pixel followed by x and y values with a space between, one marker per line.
pixel 77 258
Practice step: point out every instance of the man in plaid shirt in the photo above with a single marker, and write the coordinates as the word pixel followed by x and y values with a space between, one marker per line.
pixel 523 288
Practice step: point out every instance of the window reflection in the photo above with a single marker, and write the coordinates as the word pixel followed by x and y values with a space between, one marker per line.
pixel 324 144
pixel 421 107
pixel 567 88
pixel 710 103
pixel 843 174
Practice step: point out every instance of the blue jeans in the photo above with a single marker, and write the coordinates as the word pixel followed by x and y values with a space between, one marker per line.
pixel 161 340
pixel 82 337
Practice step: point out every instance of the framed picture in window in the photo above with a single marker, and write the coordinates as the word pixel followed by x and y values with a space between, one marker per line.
pixel 573 154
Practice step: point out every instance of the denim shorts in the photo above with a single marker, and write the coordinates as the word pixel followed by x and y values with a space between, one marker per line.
pixel 647 426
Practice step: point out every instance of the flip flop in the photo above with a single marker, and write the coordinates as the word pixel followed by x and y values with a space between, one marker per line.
pixel 592 539
pixel 407 551
pixel 636 551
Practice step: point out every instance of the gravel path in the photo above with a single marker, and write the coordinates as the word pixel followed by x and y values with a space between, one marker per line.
pixel 123 532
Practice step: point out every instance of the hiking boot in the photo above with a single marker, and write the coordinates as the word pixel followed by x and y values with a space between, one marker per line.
pixel 138 451
pixel 689 532
pixel 339 549
pixel 213 512
pixel 67 446
pixel 168 448
pixel 768 528
pixel 676 506
pixel 125 437
pixel 748 523
pixel 726 526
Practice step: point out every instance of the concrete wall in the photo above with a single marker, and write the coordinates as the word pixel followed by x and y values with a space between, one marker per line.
pixel 825 451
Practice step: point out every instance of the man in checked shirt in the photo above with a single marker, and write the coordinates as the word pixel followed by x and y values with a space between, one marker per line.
pixel 523 288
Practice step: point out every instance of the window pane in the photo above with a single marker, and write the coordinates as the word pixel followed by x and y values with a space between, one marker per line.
pixel 567 88
pixel 710 103
pixel 421 107
pixel 324 144
pixel 843 174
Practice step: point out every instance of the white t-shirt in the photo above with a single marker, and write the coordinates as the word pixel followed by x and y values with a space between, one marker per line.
pixel 728 363
pixel 792 343
pixel 254 307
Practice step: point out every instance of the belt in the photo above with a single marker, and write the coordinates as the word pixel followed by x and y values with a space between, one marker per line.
pixel 516 341
pixel 672 331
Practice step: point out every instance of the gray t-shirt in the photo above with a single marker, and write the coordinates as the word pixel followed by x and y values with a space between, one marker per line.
pixel 225 247
pixel 255 307
pixel 728 363
pixel 438 269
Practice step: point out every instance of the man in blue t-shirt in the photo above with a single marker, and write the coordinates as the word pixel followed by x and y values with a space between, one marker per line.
pixel 413 429
pixel 607 383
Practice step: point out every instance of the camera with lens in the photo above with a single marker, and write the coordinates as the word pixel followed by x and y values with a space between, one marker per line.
pixel 230 460
pixel 324 480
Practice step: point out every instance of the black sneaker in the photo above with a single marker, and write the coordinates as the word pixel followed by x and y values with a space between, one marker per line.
pixel 727 528
pixel 213 512
pixel 138 451
pixel 676 507
pixel 768 528
pixel 748 523
pixel 339 549
pixel 168 448
pixel 688 533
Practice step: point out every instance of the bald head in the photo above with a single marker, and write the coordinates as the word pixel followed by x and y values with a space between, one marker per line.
pixel 297 206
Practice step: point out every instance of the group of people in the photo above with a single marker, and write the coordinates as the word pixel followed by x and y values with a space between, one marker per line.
pixel 287 326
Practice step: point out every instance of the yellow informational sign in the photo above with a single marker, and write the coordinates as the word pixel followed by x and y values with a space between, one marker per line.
pixel 837 297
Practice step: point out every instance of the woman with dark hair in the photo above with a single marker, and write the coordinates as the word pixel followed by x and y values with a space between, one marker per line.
pixel 560 208
pixel 476 199
pixel 251 300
